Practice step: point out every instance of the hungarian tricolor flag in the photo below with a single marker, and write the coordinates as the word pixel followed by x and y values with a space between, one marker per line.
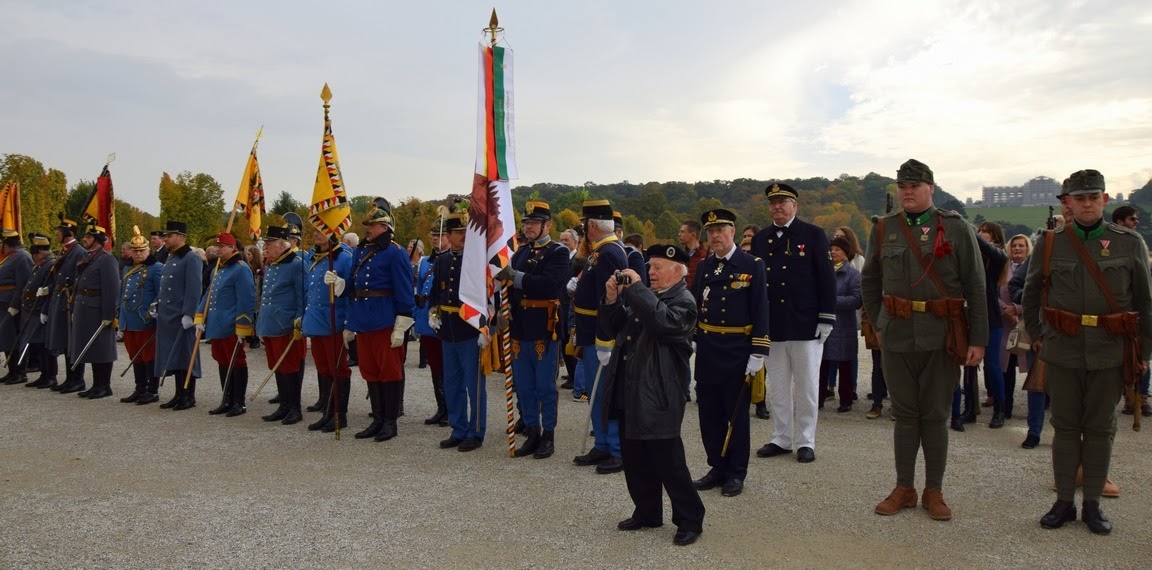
pixel 329 212
pixel 10 207
pixel 491 224
pixel 100 210
pixel 250 197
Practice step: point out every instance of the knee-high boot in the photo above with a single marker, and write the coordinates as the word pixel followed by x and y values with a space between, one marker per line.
pixel 441 415
pixel 295 386
pixel 140 374
pixel 178 382
pixel 324 386
pixel 225 392
pixel 341 406
pixel 189 400
pixel 326 400
pixel 101 381
pixel 282 392
pixel 239 390
pixel 375 397
pixel 393 393
pixel 151 394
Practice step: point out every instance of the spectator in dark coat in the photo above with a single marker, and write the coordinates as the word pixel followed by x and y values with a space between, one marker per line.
pixel 842 345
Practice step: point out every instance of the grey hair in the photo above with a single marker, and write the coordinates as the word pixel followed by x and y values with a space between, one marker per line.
pixel 351 239
pixel 606 226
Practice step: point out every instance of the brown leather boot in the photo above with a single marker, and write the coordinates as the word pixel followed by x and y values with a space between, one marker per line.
pixel 900 499
pixel 933 502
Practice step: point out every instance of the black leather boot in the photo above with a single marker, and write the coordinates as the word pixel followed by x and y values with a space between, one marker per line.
pixel 225 392
pixel 74 380
pixel 997 415
pixel 101 381
pixel 1094 518
pixel 341 402
pixel 374 397
pixel 547 447
pixel 140 374
pixel 762 411
pixel 441 415
pixel 1060 513
pixel 281 394
pixel 295 385
pixel 324 385
pixel 239 390
pixel 178 383
pixel 392 393
pixel 189 400
pixel 152 394
pixel 328 405
pixel 531 444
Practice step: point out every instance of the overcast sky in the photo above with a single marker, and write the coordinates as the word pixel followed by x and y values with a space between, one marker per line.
pixel 987 93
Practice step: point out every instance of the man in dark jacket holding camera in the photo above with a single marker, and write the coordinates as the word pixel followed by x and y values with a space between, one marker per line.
pixel 646 387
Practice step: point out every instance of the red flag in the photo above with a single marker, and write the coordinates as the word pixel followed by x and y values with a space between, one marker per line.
pixel 100 210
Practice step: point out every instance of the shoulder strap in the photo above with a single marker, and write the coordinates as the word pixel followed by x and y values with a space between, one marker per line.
pixel 928 269
pixel 1094 271
pixel 1046 268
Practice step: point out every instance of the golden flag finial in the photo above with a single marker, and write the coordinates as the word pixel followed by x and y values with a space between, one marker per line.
pixel 326 94
pixel 493 27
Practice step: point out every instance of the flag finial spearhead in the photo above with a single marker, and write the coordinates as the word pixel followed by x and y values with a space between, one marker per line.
pixel 326 94
pixel 493 27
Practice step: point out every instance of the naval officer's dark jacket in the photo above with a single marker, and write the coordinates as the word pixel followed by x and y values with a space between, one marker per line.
pixel 179 297
pixel 446 297
pixel 63 277
pixel 535 296
pixel 94 300
pixel 733 322
pixel 801 281
pixel 608 257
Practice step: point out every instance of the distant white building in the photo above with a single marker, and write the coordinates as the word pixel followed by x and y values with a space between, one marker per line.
pixel 1040 191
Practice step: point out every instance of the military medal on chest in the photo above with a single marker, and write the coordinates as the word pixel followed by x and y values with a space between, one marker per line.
pixel 1104 247
pixel 924 233
pixel 719 268
pixel 800 248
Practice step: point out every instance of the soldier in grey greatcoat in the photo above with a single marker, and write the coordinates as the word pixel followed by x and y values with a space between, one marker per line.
pixel 55 312
pixel 15 267
pixel 175 308
pixel 30 344
pixel 93 308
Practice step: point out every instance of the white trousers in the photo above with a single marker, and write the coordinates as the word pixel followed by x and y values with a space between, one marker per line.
pixel 793 368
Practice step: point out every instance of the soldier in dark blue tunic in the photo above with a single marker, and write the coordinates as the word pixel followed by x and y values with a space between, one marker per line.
pixel 225 317
pixel 94 302
pixel 139 286
pixel 30 301
pixel 607 258
pixel 15 268
pixel 731 344
pixel 175 309
pixel 537 275
pixel 56 311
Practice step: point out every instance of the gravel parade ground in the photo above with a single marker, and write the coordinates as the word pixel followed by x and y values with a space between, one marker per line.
pixel 101 484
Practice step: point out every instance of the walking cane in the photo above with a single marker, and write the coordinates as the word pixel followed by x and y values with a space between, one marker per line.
pixel 732 418
pixel 138 353
pixel 231 361
pixel 274 369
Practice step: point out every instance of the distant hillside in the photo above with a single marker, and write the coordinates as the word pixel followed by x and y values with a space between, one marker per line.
pixel 1033 217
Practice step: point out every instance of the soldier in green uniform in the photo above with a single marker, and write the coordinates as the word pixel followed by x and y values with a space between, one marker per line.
pixel 1085 334
pixel 924 280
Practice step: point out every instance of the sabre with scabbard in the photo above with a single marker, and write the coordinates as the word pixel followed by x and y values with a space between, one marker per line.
pixel 80 359
pixel 139 352
pixel 272 372
pixel 19 336
pixel 736 410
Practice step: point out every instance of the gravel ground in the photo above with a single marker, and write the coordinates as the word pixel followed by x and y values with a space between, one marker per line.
pixel 102 484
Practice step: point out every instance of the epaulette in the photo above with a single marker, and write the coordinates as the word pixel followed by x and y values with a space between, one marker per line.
pixel 1121 229
pixel 754 258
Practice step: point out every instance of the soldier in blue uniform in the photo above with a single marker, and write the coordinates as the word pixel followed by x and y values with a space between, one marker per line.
pixel 30 302
pixel 15 268
pixel 430 343
pixel 464 391
pixel 731 344
pixel 328 271
pixel 607 257
pixel 225 317
pixel 94 301
pixel 537 274
pixel 139 287
pixel 176 307
pixel 279 322
pixel 379 317
pixel 635 256
pixel 802 311
pixel 55 312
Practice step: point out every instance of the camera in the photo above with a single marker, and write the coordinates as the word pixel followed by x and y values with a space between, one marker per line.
pixel 622 279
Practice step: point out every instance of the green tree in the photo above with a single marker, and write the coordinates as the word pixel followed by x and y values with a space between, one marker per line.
pixel 195 199
pixel 666 226
pixel 42 192
pixel 286 203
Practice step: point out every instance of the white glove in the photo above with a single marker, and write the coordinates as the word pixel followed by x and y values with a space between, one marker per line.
pixel 200 329
pixel 483 341
pixel 402 325
pixel 349 336
pixel 434 320
pixel 152 310
pixel 693 347
pixel 42 292
pixel 337 282
pixel 572 286
pixel 822 331
pixel 603 355
pixel 186 322
pixel 755 363
pixel 13 311
pixel 43 319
